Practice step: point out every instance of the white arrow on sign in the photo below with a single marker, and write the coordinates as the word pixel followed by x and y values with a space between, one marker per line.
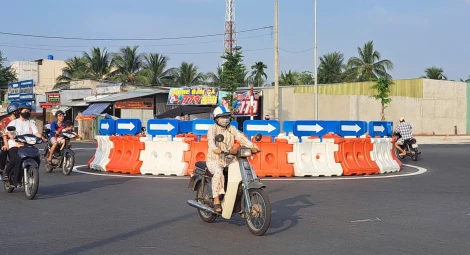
pixel 315 128
pixel 168 127
pixel 354 128
pixel 105 125
pixel 129 126
pixel 202 126
pixel 380 128
pixel 269 128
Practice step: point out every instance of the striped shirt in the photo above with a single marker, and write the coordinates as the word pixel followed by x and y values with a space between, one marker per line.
pixel 230 135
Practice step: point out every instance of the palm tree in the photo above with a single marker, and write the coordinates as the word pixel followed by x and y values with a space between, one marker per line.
pixel 258 72
pixel 305 78
pixel 368 65
pixel 75 69
pixel 216 78
pixel 187 74
pixel 288 78
pixel 331 68
pixel 98 63
pixel 434 73
pixel 155 70
pixel 128 62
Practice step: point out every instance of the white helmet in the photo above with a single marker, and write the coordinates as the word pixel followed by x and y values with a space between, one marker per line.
pixel 221 111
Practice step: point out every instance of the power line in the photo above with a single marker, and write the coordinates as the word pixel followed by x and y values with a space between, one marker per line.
pixel 127 39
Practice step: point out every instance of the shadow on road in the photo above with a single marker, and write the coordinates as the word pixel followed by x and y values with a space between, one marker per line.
pixel 74 188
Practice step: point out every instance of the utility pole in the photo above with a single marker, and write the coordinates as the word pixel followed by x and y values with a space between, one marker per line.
pixel 315 64
pixel 276 62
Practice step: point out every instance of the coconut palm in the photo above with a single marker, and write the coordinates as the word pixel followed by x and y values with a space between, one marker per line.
pixel 76 69
pixel 369 64
pixel 434 73
pixel 128 62
pixel 98 63
pixel 156 71
pixel 187 74
pixel 288 78
pixel 216 78
pixel 258 72
pixel 331 68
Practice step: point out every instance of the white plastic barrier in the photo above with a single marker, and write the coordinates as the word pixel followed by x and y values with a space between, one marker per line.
pixel 165 157
pixel 314 158
pixel 104 145
pixel 382 155
pixel 98 152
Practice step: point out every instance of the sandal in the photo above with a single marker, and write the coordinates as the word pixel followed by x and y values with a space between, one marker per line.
pixel 218 208
pixel 5 178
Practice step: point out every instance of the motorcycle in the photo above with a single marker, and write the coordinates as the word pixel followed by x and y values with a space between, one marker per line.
pixel 30 161
pixel 244 193
pixel 409 146
pixel 63 156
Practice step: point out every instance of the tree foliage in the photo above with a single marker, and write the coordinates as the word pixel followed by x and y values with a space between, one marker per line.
pixel 233 71
pixel 7 75
pixel 382 87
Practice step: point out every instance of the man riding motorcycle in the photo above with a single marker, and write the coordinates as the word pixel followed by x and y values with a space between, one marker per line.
pixel 56 125
pixel 13 112
pixel 215 161
pixel 404 128
pixel 23 126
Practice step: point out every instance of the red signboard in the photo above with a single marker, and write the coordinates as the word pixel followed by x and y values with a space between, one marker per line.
pixel 46 106
pixel 53 98
pixel 134 104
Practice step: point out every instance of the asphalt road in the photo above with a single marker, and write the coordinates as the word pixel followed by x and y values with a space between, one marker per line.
pixel 87 214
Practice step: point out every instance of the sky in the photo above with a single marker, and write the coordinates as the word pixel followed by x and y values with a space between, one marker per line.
pixel 413 34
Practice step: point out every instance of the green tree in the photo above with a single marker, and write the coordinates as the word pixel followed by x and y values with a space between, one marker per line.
pixel 98 63
pixel 369 64
pixel 233 71
pixel 216 79
pixel 128 63
pixel 7 75
pixel 76 69
pixel 187 74
pixel 434 73
pixel 156 71
pixel 331 68
pixel 258 72
pixel 288 78
pixel 382 88
pixel 305 78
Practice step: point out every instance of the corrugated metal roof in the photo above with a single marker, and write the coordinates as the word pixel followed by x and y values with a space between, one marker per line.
pixel 128 95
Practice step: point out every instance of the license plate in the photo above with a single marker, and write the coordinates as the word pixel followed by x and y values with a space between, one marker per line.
pixel 414 146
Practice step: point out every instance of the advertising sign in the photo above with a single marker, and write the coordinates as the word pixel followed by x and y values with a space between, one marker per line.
pixel 21 90
pixel 53 98
pixel 134 104
pixel 241 103
pixel 193 96
pixel 106 89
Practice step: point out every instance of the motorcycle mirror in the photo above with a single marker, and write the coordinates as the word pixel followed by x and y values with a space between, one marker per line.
pixel 219 138
pixel 143 129
pixel 11 128
pixel 258 137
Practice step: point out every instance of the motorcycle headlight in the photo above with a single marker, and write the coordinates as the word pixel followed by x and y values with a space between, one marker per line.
pixel 69 135
pixel 244 152
pixel 31 140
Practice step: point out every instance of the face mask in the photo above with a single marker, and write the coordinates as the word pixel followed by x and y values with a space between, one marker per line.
pixel 17 115
pixel 223 122
pixel 25 115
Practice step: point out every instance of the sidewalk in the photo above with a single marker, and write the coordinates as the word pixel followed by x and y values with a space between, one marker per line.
pixel 454 139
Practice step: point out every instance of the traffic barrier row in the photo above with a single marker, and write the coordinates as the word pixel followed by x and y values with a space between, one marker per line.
pixel 283 156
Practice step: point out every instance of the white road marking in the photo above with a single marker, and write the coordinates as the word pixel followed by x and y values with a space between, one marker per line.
pixel 366 220
pixel 421 170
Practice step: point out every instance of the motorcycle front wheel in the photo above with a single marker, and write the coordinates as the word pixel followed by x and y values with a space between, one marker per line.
pixel 260 219
pixel 31 182
pixel 68 163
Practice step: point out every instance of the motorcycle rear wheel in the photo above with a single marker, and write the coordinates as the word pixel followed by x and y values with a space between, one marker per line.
pixel 260 206
pixel 414 156
pixel 203 197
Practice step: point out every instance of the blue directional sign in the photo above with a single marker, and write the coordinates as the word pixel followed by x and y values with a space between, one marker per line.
pixel 310 128
pixel 288 126
pixel 128 126
pixel 185 126
pixel 162 127
pixel 264 127
pixel 107 127
pixel 380 128
pixel 352 128
pixel 200 126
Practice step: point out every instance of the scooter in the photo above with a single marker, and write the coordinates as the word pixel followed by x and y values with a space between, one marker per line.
pixel 244 193
pixel 30 161
pixel 61 157
pixel 409 146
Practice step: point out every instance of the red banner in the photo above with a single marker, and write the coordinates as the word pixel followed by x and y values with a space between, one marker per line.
pixel 134 104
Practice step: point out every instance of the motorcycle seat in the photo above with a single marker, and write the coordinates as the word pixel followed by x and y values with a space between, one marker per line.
pixel 201 165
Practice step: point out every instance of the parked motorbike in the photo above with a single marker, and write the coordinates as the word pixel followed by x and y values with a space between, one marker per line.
pixel 410 146
pixel 30 161
pixel 63 156
pixel 244 193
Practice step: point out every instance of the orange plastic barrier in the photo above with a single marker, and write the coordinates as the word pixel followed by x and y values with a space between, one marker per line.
pixel 272 161
pixel 124 157
pixel 197 151
pixel 394 155
pixel 354 156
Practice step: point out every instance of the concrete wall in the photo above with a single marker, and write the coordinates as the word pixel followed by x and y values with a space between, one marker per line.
pixel 443 106
pixel 49 70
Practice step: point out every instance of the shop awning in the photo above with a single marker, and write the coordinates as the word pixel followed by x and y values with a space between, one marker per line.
pixel 95 109
pixel 62 108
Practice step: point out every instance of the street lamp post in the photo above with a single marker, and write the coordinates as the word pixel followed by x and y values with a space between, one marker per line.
pixel 315 64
